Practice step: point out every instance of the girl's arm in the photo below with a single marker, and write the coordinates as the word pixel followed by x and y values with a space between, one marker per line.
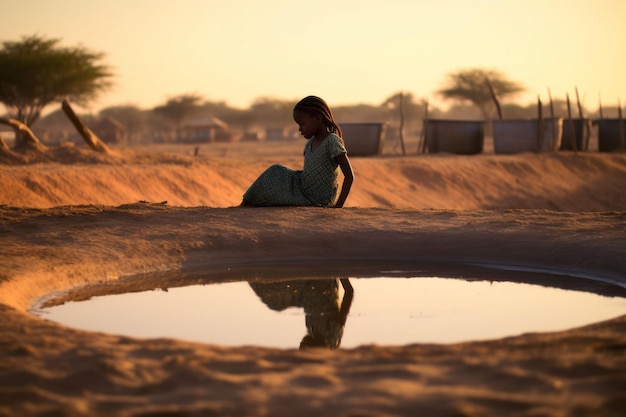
pixel 348 178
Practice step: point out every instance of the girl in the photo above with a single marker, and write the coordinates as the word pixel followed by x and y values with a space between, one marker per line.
pixel 324 154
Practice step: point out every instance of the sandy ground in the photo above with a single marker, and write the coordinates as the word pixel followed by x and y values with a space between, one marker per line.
pixel 100 223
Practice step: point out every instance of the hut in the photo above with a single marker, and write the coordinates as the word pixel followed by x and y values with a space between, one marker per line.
pixel 205 129
pixel 111 131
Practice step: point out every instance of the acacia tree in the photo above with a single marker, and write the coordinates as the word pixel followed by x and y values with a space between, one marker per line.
pixel 472 85
pixel 35 72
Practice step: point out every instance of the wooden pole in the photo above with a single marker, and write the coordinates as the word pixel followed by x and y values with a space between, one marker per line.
pixel 600 103
pixel 401 128
pixel 580 107
pixel 583 124
pixel 571 136
pixel 91 139
pixel 425 128
pixel 494 98
pixel 539 124
pixel 552 116
pixel 621 123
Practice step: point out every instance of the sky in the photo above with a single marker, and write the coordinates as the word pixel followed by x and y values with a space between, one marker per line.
pixel 346 51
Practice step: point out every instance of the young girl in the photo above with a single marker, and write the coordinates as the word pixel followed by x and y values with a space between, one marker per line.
pixel 324 153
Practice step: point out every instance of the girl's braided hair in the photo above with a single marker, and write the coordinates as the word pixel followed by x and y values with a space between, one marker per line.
pixel 318 107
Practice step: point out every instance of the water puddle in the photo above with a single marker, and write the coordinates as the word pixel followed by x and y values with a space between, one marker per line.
pixel 347 312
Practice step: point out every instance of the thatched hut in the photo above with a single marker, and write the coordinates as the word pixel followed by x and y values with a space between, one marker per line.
pixel 205 129
pixel 111 131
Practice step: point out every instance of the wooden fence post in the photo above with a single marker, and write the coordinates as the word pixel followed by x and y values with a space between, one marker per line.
pixel 91 139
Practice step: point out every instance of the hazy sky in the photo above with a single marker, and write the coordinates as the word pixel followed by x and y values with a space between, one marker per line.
pixel 347 51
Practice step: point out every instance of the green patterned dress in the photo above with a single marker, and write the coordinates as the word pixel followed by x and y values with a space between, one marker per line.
pixel 315 185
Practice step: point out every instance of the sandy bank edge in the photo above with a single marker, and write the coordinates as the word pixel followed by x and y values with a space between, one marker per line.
pixel 56 249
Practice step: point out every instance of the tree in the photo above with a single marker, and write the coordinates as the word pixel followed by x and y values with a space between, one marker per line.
pixel 36 72
pixel 269 111
pixel 412 108
pixel 231 116
pixel 131 116
pixel 471 85
pixel 178 109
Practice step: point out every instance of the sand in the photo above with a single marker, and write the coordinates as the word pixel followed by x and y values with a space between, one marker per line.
pixel 118 223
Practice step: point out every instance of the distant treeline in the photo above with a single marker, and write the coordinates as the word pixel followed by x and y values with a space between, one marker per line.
pixel 157 125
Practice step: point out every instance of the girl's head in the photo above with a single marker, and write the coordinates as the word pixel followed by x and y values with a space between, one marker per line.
pixel 317 109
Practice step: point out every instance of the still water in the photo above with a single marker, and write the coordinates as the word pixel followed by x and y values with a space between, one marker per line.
pixel 339 312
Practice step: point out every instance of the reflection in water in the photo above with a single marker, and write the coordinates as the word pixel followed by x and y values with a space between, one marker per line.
pixel 325 314
pixel 421 309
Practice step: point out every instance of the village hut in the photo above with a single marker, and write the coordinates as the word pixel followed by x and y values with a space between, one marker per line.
pixel 111 131
pixel 205 129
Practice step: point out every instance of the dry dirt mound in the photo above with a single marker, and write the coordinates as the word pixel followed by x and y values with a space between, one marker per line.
pixel 558 181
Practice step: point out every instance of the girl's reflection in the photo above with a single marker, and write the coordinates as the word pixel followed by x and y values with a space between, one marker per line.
pixel 325 314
